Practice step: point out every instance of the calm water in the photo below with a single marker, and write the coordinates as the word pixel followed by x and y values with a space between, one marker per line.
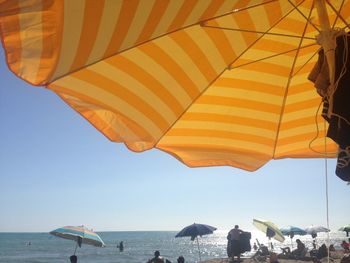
pixel 138 247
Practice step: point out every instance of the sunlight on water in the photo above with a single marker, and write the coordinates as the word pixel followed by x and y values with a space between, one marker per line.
pixel 139 246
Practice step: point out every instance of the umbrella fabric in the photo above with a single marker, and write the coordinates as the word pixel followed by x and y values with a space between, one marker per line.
pixel 195 230
pixel 210 82
pixel 292 230
pixel 316 229
pixel 345 228
pixel 269 228
pixel 77 233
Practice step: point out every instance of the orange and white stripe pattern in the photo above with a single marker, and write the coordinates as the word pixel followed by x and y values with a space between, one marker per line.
pixel 198 79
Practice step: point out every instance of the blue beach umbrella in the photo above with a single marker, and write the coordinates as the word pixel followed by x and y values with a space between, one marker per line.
pixel 80 234
pixel 291 231
pixel 194 231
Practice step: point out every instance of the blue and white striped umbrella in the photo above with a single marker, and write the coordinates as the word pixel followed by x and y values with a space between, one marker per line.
pixel 292 230
pixel 80 234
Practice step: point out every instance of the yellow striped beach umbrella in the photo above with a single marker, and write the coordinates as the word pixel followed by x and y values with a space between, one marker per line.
pixel 211 82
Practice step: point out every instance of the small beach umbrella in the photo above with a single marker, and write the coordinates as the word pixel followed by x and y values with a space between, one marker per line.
pixel 80 234
pixel 345 228
pixel 314 230
pixel 194 231
pixel 270 229
pixel 291 231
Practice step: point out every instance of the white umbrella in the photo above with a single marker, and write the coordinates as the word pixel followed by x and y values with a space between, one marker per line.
pixel 313 230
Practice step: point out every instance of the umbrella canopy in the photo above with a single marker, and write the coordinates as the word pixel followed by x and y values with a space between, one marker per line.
pixel 313 230
pixel 269 228
pixel 292 230
pixel 194 231
pixel 210 82
pixel 79 234
pixel 345 228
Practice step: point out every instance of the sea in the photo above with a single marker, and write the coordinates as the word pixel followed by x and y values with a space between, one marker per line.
pixel 139 246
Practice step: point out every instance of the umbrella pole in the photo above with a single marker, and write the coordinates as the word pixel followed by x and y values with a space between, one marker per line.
pixel 199 252
pixel 76 246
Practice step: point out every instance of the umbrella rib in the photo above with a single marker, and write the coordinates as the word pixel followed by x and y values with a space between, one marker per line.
pixel 252 44
pixel 152 39
pixel 288 83
pixel 218 76
pixel 307 18
pixel 257 32
pixel 305 63
pixel 272 56
pixel 237 10
pixel 338 14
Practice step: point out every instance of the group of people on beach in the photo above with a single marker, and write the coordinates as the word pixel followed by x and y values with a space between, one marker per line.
pixel 159 259
pixel 239 242
pixel 236 246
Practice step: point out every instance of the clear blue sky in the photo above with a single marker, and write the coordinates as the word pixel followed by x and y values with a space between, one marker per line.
pixel 56 169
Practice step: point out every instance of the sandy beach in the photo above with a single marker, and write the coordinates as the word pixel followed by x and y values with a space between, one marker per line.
pixel 335 257
pixel 226 260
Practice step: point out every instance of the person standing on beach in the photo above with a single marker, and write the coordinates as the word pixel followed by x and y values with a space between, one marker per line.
pixel 233 242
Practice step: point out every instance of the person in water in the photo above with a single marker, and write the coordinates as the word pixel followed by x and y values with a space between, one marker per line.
pixel 121 246
pixel 73 259
pixel 157 258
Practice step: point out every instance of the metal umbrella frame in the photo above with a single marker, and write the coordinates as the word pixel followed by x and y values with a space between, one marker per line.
pixel 179 78
pixel 194 231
